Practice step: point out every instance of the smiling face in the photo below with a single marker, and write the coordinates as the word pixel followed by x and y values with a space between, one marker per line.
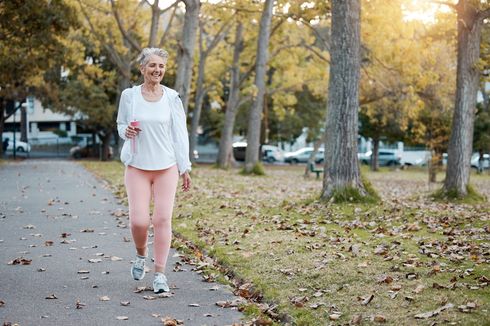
pixel 154 70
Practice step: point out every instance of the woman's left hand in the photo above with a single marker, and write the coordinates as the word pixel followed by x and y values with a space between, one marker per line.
pixel 186 182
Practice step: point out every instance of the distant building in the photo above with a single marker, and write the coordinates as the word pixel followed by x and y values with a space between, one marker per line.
pixel 42 123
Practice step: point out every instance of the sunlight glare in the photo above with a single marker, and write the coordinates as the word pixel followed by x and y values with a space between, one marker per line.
pixel 423 10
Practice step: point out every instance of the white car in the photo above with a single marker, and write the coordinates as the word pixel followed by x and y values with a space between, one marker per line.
pixel 302 155
pixel 20 146
pixel 475 161
pixel 272 154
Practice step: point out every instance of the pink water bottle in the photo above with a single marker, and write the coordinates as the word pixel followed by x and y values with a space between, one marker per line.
pixel 134 149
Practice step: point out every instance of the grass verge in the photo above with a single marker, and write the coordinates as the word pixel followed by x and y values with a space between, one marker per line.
pixel 313 263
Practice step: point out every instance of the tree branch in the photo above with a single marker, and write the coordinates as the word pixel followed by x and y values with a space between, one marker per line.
pixel 131 41
pixel 167 30
pixel 484 14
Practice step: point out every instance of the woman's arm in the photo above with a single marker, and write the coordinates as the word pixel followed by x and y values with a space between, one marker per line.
pixel 123 113
pixel 180 136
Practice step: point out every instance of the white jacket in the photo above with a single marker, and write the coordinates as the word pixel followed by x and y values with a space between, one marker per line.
pixel 164 140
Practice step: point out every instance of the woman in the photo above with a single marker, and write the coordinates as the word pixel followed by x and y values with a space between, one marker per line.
pixel 152 122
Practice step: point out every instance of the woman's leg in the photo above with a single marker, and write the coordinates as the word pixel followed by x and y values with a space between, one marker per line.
pixel 164 189
pixel 138 187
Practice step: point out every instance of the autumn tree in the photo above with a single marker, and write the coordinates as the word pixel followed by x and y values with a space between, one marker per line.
pixel 342 175
pixel 471 17
pixel 255 114
pixel 31 43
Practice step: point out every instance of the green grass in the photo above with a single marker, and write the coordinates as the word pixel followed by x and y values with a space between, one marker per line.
pixel 472 197
pixel 274 233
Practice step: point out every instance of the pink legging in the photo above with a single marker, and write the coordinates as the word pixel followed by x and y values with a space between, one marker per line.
pixel 140 185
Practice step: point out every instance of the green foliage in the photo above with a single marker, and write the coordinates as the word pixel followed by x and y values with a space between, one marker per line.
pixel 473 197
pixel 31 42
pixel 60 133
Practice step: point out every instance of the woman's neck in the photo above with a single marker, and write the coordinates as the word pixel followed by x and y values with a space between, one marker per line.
pixel 151 87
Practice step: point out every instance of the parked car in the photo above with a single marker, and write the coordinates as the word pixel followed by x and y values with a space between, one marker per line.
pixel 272 154
pixel 386 157
pixel 89 150
pixel 20 146
pixel 302 155
pixel 269 153
pixel 415 158
pixel 475 161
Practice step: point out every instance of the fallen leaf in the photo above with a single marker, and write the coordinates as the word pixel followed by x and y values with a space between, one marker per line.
pixel 122 318
pixel 95 260
pixel 419 289
pixel 79 305
pixel 41 269
pixel 29 226
pixel 2 303
pixel 436 312
pixel 20 261
pixel 149 297
pixel 83 272
pixel 115 258
pixel 334 316
pixel 51 296
pixel 356 320
pixel 48 243
pixel 104 298
pixel 366 300
pixel 380 319
pixel 125 303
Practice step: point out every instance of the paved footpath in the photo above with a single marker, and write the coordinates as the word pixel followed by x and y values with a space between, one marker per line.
pixel 44 207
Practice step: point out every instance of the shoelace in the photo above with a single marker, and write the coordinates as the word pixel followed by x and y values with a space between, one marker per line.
pixel 160 278
pixel 139 263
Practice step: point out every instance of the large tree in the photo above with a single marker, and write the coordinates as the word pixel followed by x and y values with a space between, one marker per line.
pixel 255 114
pixel 471 16
pixel 341 165
pixel 31 43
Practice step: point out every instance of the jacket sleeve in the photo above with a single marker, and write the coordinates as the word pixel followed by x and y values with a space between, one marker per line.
pixel 180 136
pixel 123 113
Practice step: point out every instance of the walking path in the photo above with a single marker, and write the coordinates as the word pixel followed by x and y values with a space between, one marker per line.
pixel 58 216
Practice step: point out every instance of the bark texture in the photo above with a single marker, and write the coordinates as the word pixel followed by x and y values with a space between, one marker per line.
pixel 470 22
pixel 255 114
pixel 225 154
pixel 341 164
pixel 186 51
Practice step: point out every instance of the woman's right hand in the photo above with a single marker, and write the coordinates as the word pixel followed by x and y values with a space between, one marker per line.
pixel 132 132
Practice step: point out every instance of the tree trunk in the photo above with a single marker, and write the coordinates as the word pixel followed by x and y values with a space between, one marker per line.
pixel 186 51
pixel 106 139
pixel 375 156
pixel 155 17
pixel 196 113
pixel 225 154
pixel 255 114
pixel 342 170
pixel 467 81
pixel 23 124
pixel 2 121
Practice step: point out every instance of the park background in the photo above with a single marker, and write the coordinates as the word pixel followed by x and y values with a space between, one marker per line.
pixel 408 240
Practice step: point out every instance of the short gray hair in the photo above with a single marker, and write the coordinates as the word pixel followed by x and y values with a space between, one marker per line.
pixel 147 52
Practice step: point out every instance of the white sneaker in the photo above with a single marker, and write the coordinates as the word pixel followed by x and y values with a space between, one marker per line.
pixel 138 268
pixel 160 283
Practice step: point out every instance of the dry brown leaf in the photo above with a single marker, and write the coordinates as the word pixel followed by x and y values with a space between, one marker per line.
pixel 379 319
pixel 436 312
pixel 79 305
pixel 20 261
